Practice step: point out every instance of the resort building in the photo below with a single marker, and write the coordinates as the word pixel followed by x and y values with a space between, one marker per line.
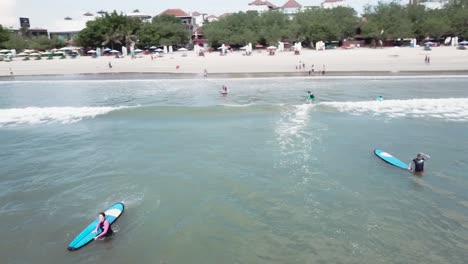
pixel 333 3
pixel 261 6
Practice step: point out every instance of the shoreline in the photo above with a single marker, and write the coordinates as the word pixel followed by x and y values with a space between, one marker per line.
pixel 240 75
pixel 388 62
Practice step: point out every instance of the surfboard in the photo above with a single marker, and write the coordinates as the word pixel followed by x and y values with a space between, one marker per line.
pixel 223 93
pixel 387 157
pixel 87 235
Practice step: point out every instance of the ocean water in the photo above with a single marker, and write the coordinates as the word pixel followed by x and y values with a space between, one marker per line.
pixel 256 176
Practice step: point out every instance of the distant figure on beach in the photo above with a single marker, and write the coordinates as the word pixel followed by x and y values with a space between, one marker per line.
pixel 312 68
pixel 417 164
pixel 177 67
pixel 380 98
pixel 205 73
pixel 303 65
pixel 110 65
pixel 310 97
pixel 11 71
pixel 323 70
pixel 104 225
pixel 427 59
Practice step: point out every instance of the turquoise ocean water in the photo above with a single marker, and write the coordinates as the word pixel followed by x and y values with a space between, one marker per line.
pixel 257 176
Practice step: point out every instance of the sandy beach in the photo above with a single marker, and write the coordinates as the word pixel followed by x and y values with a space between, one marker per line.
pixel 361 61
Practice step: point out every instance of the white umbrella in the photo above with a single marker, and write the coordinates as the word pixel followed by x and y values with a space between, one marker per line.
pixel 158 50
pixel 272 47
pixel 4 51
pixel 35 54
pixel 58 53
pixel 138 50
pixel 23 54
pixel 244 48
pixel 66 48
pixel 91 51
pixel 153 47
pixel 46 53
pixel 182 49
pixel 114 51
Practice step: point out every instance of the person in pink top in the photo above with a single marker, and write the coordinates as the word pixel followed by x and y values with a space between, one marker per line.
pixel 104 225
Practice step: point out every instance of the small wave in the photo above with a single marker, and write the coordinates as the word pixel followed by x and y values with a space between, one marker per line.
pixel 452 109
pixel 47 115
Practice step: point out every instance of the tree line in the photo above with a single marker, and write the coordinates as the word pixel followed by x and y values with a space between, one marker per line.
pixel 384 21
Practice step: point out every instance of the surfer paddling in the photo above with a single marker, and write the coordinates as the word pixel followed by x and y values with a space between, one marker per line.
pixel 104 225
pixel 417 164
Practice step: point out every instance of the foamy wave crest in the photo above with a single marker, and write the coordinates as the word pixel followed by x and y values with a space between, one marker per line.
pixel 41 115
pixel 452 109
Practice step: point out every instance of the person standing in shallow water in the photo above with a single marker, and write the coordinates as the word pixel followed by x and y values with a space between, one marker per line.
pixel 104 225
pixel 417 164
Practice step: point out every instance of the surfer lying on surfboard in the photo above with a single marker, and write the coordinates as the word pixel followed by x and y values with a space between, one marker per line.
pixel 310 97
pixel 417 164
pixel 104 225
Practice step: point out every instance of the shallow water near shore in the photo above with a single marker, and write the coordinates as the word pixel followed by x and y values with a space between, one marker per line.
pixel 256 176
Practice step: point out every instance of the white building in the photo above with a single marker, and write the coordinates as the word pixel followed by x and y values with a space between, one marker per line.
pixel 291 7
pixel 212 18
pixel 334 3
pixel 198 18
pixel 261 6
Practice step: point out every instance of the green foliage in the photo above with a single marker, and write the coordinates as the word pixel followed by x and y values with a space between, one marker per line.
pixel 387 21
pixel 16 42
pixel 163 30
pixel 114 30
pixel 44 43
pixel 4 35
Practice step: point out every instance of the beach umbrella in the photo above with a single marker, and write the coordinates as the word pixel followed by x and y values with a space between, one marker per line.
pixel 114 51
pixel 153 47
pixel 22 54
pixel 258 46
pixel 429 43
pixel 46 53
pixel 465 42
pixel 4 51
pixel 107 50
pixel 35 54
pixel 158 50
pixel 138 50
pixel 66 48
pixel 58 53
pixel 91 51
pixel 182 49
pixel 244 48
pixel 272 47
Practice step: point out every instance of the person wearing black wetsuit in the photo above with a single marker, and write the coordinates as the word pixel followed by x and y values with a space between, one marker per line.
pixel 417 164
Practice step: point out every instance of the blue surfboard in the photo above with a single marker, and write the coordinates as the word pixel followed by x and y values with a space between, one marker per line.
pixel 390 159
pixel 87 234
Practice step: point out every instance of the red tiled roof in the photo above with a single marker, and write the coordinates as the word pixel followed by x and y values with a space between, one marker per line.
pixel 260 3
pixel 292 4
pixel 175 12
pixel 196 13
pixel 270 4
pixel 257 2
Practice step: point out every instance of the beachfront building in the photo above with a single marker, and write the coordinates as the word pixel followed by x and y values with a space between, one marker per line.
pixel 334 3
pixel 212 18
pixel 291 7
pixel 184 17
pixel 261 6
pixel 137 14
pixel 198 18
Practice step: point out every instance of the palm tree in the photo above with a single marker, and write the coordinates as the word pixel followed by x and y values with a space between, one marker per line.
pixel 113 38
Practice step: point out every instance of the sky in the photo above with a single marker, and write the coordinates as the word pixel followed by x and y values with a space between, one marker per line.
pixel 50 14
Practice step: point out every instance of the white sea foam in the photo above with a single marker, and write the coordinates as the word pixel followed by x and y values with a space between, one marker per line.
pixel 452 109
pixel 41 115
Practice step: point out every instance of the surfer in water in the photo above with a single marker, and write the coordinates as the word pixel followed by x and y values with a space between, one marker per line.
pixel 224 89
pixel 104 225
pixel 417 164
pixel 310 97
pixel 380 98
